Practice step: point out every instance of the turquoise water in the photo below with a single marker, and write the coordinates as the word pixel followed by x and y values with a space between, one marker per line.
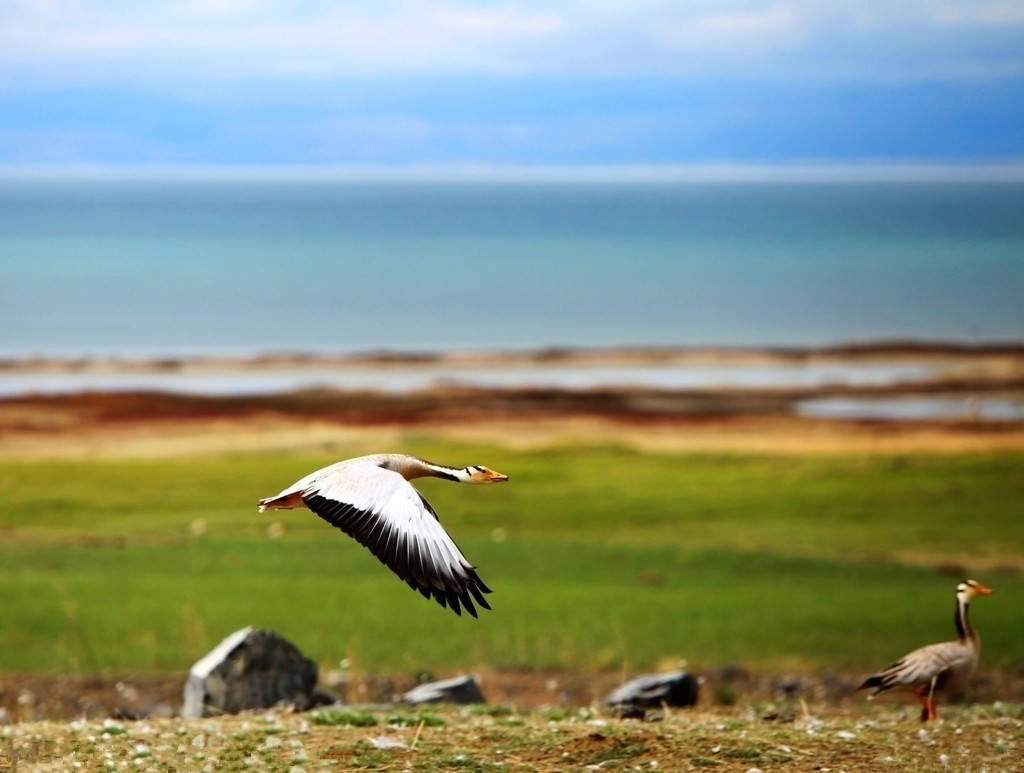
pixel 123 267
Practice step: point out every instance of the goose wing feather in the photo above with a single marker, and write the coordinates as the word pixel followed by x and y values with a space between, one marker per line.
pixel 922 665
pixel 383 512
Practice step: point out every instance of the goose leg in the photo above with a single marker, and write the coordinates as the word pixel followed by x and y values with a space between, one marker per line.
pixel 932 713
pixel 926 711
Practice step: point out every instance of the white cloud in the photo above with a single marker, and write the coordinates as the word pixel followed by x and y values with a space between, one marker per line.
pixel 750 30
pixel 68 40
pixel 962 14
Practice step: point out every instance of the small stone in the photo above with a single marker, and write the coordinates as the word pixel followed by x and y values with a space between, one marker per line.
pixel 383 742
pixel 673 688
pixel 460 689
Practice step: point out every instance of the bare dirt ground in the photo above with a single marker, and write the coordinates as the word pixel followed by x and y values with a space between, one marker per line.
pixel 35 697
pixel 531 722
pixel 797 738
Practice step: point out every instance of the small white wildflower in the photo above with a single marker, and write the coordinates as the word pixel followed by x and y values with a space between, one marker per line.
pixel 199 741
pixel 944 760
pixel 846 735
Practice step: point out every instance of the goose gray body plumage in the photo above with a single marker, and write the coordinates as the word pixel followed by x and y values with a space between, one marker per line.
pixel 946 666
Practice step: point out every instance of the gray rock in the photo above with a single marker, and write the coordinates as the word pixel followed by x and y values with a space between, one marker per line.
pixel 250 669
pixel 460 689
pixel 652 691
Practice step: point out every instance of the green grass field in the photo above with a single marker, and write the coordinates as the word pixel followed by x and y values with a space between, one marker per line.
pixel 599 558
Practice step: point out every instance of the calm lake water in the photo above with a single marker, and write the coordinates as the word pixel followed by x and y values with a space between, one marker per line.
pixel 150 267
pixel 153 267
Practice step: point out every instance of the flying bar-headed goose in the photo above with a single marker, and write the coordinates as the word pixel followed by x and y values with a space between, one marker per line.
pixel 370 499
pixel 945 666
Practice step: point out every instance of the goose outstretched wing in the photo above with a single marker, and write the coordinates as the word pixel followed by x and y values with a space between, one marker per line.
pixel 383 511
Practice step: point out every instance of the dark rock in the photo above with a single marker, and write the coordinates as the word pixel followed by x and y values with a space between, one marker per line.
pixel 250 669
pixel 460 689
pixel 792 686
pixel 651 691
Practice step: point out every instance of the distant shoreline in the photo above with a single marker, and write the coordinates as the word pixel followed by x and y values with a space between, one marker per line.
pixel 981 384
pixel 997 169
pixel 906 350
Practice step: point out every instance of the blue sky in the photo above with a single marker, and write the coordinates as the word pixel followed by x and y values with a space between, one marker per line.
pixel 454 82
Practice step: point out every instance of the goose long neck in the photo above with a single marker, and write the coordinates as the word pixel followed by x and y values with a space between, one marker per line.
pixel 414 467
pixel 457 474
pixel 962 621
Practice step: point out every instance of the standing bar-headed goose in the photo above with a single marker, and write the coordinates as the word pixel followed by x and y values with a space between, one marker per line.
pixel 945 666
pixel 370 499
